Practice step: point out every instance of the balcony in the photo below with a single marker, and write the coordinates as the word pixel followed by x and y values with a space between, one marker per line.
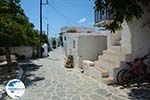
pixel 102 18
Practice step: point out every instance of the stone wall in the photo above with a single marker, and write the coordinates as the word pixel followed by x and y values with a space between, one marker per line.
pixel 26 51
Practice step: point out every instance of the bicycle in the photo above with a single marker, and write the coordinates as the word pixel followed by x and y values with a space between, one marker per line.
pixel 137 72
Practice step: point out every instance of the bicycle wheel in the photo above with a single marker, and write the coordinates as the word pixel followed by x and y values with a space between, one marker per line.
pixel 119 75
pixel 127 78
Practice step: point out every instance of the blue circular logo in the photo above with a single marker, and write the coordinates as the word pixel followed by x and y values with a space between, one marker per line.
pixel 15 88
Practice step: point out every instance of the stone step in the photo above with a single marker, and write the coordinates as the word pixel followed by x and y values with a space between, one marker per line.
pixel 117 54
pixel 114 57
pixel 108 80
pixel 103 72
pixel 95 74
pixel 104 62
pixel 111 71
pixel 116 48
pixel 113 53
pixel 111 60
pixel 93 71
pixel 109 68
pixel 105 65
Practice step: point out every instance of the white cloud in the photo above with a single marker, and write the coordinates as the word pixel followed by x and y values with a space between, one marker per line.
pixel 82 20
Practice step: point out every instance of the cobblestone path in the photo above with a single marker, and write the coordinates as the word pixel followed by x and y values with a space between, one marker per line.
pixel 62 84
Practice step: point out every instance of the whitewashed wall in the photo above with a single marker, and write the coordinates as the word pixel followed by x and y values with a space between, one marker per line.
pixel 126 37
pixel 64 45
pixel 109 42
pixel 136 37
pixel 68 45
pixel 27 51
pixel 87 46
pixel 140 37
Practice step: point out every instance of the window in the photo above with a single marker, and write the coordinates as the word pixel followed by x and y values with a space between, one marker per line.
pixel 74 43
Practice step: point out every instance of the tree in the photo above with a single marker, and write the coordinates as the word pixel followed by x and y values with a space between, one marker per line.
pixel 122 10
pixel 44 38
pixel 15 28
pixel 53 42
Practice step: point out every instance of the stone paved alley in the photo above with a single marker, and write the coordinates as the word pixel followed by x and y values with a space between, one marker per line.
pixel 51 81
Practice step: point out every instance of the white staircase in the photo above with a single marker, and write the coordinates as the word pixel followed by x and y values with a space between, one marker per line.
pixel 107 65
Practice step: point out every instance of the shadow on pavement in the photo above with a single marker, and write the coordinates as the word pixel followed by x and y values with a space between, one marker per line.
pixel 8 72
pixel 28 78
pixel 140 93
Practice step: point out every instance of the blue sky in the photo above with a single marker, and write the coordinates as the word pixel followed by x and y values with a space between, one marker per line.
pixel 60 13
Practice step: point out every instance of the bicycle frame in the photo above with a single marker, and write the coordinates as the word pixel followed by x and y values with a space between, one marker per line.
pixel 136 65
pixel 137 72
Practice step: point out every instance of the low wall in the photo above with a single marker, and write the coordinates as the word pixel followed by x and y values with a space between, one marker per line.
pixel 26 51
pixel 90 47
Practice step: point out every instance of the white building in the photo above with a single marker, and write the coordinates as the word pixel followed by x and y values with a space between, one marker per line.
pixel 84 46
